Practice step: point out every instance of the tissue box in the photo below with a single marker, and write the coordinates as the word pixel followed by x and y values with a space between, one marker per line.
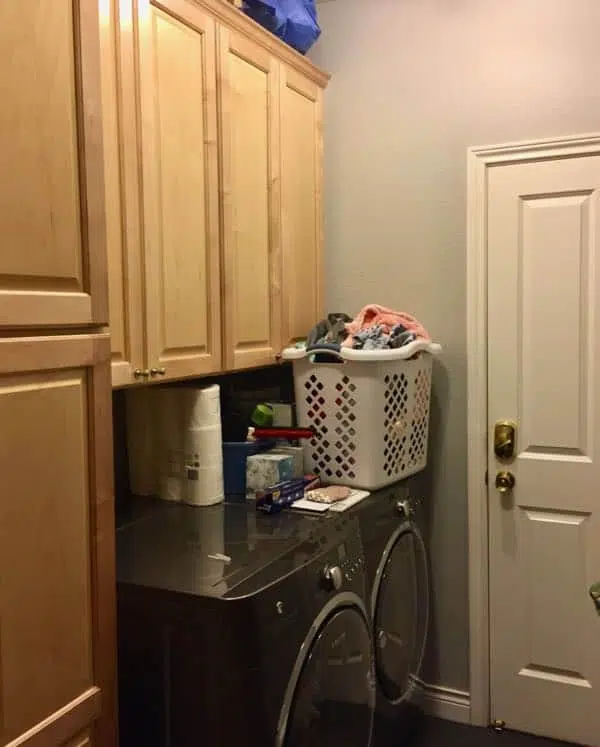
pixel 297 454
pixel 265 470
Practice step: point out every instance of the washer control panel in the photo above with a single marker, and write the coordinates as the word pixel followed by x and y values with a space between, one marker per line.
pixel 340 567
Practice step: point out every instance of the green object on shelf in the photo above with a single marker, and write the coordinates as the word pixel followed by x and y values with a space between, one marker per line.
pixel 262 415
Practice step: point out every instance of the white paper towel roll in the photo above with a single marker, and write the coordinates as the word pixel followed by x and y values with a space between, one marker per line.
pixel 203 469
pixel 206 444
pixel 170 427
pixel 202 407
pixel 203 485
pixel 140 405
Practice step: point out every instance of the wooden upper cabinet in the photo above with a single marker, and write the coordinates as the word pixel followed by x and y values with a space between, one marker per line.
pixel 57 596
pixel 122 185
pixel 52 237
pixel 212 160
pixel 301 197
pixel 251 237
pixel 177 63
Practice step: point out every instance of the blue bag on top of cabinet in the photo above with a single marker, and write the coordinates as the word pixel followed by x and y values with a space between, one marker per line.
pixel 294 21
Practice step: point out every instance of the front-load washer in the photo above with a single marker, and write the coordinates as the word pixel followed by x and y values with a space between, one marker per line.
pixel 398 593
pixel 236 628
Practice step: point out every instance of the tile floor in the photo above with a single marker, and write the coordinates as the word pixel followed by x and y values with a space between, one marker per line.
pixel 433 732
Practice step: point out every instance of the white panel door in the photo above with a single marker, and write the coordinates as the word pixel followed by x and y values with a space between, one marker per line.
pixel 544 353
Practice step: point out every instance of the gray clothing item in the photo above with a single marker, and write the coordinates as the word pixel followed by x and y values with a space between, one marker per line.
pixel 377 338
pixel 329 330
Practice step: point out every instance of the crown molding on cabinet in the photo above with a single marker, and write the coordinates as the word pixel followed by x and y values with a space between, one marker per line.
pixel 236 19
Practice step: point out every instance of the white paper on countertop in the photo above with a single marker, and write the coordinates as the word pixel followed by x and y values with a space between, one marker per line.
pixel 355 497
pixel 304 504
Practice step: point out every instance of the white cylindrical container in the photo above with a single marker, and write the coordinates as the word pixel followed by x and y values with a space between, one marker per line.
pixel 171 443
pixel 203 485
pixel 140 405
pixel 206 444
pixel 203 468
pixel 202 407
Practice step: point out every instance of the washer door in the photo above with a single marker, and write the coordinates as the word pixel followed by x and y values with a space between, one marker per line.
pixel 400 613
pixel 332 698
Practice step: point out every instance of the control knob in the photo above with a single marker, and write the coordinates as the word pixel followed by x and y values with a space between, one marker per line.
pixel 405 508
pixel 332 578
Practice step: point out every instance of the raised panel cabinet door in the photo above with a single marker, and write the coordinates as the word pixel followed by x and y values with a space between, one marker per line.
pixel 52 250
pixel 181 187
pixel 250 185
pixel 121 181
pixel 57 590
pixel 301 198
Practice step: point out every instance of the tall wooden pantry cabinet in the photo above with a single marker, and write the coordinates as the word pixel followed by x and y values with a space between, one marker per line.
pixel 57 588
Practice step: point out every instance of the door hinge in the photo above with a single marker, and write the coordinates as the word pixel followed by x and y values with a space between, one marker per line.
pixel 498 725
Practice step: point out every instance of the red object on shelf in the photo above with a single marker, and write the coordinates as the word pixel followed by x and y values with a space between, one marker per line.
pixel 290 434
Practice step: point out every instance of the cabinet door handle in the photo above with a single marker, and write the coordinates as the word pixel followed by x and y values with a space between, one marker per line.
pixel 158 371
pixel 141 373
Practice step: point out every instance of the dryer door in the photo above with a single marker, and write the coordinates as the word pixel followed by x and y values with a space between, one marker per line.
pixel 400 605
pixel 331 697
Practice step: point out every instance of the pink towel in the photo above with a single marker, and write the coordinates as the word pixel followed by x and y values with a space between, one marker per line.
pixel 373 314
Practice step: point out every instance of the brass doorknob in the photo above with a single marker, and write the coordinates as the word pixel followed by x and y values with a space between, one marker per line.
pixel 158 371
pixel 141 373
pixel 505 482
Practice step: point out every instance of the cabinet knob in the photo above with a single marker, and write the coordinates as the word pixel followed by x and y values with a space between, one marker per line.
pixel 158 371
pixel 141 373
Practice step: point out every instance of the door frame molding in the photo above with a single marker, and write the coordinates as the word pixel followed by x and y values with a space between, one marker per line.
pixel 479 160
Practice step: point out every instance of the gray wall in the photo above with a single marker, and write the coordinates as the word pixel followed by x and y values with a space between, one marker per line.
pixel 414 83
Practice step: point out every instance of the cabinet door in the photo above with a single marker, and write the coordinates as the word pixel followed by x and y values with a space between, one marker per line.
pixel 249 120
pixel 301 195
pixel 181 186
pixel 57 593
pixel 53 256
pixel 121 179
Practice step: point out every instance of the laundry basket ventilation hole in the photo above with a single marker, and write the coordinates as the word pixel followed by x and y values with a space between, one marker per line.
pixel 418 438
pixel 395 423
pixel 342 465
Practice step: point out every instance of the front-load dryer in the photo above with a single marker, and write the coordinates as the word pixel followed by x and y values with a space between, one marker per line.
pixel 398 594
pixel 241 629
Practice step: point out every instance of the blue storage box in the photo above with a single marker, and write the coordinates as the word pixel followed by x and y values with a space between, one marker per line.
pixel 235 454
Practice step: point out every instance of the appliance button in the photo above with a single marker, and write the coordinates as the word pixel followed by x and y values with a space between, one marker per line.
pixel 332 578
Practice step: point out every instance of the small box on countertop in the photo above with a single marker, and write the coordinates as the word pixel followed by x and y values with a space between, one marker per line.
pixel 297 454
pixel 272 500
pixel 283 414
pixel 265 470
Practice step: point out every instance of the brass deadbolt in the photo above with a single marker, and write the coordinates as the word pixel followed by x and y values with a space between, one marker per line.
pixel 504 439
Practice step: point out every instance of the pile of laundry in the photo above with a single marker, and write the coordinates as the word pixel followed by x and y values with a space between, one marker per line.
pixel 373 328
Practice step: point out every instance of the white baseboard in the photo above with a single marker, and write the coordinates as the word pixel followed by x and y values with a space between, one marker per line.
pixel 445 702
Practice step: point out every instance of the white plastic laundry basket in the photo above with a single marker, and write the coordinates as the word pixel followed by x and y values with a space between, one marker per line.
pixel 370 412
